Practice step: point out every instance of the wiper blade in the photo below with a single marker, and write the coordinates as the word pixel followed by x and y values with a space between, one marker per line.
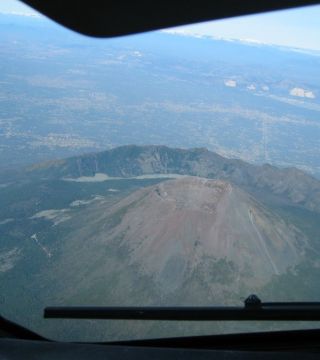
pixel 253 309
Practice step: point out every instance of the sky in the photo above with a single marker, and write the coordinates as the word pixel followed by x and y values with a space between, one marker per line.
pixel 298 28
pixel 15 7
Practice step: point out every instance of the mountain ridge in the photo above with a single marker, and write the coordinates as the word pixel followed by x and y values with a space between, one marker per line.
pixel 291 184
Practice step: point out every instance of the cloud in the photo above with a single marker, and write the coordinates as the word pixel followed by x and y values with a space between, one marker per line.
pixel 302 93
pixel 230 83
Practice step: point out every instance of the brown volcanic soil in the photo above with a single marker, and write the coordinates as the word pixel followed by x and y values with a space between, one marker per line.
pixel 169 229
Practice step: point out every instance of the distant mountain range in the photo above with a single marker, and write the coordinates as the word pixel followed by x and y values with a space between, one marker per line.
pixel 287 184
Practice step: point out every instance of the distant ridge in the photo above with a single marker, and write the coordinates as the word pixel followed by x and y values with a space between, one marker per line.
pixel 290 184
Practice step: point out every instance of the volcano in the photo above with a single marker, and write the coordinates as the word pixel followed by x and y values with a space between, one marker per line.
pixel 174 237
pixel 170 228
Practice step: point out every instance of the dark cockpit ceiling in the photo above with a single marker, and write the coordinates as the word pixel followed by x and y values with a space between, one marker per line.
pixel 108 18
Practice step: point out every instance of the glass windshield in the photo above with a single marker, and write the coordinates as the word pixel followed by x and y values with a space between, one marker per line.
pixel 173 168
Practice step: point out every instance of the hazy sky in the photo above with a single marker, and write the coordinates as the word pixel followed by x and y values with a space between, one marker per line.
pixel 15 7
pixel 296 28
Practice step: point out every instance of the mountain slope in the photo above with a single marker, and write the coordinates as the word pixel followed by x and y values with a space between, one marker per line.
pixel 172 226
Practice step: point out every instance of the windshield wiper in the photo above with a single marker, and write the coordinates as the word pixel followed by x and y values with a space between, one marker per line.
pixel 253 309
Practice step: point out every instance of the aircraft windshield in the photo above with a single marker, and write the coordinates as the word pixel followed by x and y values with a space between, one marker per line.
pixel 173 168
